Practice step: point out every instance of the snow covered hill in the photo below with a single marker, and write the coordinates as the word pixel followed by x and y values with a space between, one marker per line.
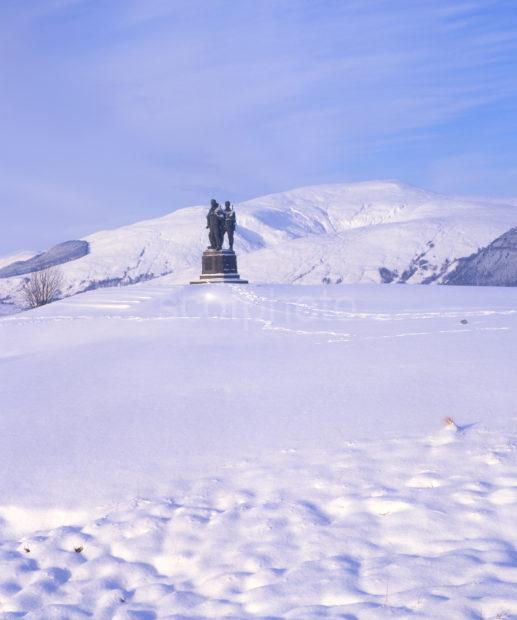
pixel 355 233
pixel 260 452
pixel 495 265
pixel 9 259
pixel 59 254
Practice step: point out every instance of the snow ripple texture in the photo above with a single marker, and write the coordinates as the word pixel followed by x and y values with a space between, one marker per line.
pixel 422 528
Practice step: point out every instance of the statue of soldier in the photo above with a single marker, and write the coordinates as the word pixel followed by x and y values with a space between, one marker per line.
pixel 215 224
pixel 229 222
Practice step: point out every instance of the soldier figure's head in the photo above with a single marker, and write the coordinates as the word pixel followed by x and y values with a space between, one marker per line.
pixel 213 203
pixel 227 205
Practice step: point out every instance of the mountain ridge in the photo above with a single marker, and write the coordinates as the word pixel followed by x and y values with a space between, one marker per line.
pixel 371 231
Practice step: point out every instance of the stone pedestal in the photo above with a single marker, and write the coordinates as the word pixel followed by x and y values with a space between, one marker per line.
pixel 219 266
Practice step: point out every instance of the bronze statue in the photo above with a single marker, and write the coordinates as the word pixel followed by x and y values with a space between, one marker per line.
pixel 215 224
pixel 218 265
pixel 229 223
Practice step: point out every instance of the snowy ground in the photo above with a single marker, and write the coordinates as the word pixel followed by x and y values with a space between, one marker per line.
pixel 260 452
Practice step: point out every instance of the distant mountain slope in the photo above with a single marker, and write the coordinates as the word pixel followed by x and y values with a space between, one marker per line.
pixel 8 259
pixel 379 231
pixel 59 254
pixel 494 265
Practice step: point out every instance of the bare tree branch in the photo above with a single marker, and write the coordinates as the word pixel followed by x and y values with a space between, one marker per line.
pixel 42 287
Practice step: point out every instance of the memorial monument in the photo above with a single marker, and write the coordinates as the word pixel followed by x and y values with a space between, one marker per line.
pixel 219 265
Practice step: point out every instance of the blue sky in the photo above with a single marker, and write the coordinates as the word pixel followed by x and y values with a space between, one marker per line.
pixel 112 111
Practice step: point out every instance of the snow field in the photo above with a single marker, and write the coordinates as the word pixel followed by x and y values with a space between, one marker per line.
pixel 260 452
pixel 417 527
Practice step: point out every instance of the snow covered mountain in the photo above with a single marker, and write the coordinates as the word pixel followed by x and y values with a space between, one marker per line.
pixel 495 265
pixel 9 259
pixel 370 232
pixel 59 254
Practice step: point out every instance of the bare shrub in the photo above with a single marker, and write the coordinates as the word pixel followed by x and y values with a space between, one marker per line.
pixel 42 287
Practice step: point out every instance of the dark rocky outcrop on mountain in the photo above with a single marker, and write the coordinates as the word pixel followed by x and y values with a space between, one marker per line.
pixel 493 265
pixel 59 254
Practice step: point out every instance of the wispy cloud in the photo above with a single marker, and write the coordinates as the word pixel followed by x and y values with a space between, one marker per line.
pixel 143 107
